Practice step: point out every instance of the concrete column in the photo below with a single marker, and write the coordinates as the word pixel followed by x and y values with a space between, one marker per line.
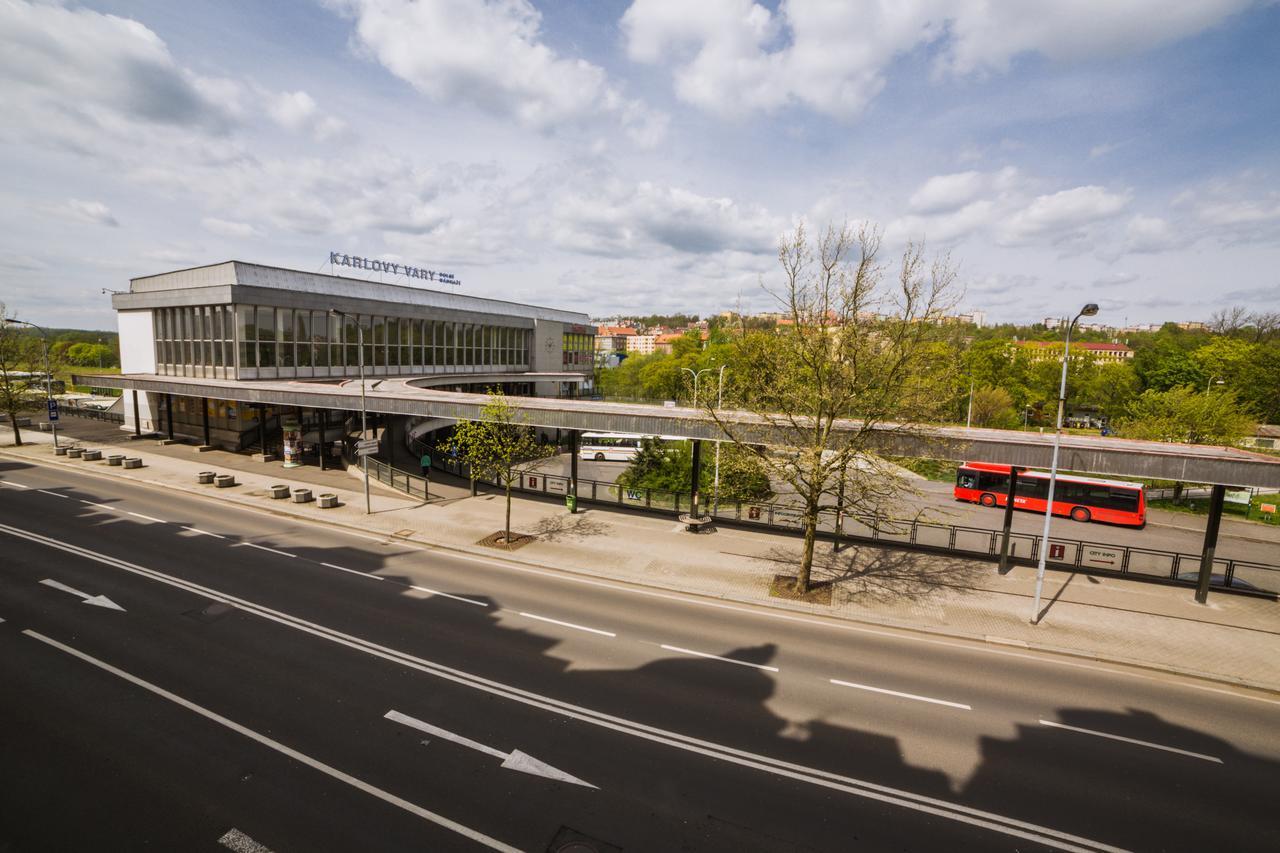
pixel 204 418
pixel 573 467
pixel 168 413
pixel 1008 520
pixel 695 506
pixel 137 416
pixel 323 428
pixel 1210 542
pixel 262 431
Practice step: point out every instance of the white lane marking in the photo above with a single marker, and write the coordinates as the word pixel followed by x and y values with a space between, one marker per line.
pixel 98 505
pixel 1145 743
pixel 55 494
pixel 513 760
pixel 717 657
pixel 200 532
pixel 431 591
pixel 95 600
pixel 262 548
pixel 13 483
pixel 847 784
pixel 354 572
pixel 901 695
pixel 147 517
pixel 1172 680
pixel 568 624
pixel 236 840
pixel 358 784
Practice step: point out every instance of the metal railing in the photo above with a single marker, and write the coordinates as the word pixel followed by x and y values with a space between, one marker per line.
pixel 411 484
pixel 1066 554
pixel 92 414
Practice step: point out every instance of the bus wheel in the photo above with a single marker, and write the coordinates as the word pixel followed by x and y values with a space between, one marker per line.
pixel 599 457
pixel 987 499
pixel 1080 514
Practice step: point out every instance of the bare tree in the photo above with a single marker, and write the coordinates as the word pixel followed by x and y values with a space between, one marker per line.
pixel 854 344
pixel 1265 324
pixel 1229 320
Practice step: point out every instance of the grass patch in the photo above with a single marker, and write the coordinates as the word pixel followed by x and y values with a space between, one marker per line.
pixel 939 470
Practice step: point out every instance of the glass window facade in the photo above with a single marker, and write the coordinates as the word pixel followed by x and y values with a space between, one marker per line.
pixel 578 350
pixel 261 342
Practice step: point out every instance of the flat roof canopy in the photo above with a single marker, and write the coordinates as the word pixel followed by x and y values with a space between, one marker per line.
pixel 399 396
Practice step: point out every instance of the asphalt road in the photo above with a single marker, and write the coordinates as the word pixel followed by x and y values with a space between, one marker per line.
pixel 245 688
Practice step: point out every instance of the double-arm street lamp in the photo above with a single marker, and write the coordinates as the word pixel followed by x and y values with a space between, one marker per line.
pixel 695 374
pixel 364 459
pixel 715 491
pixel 1087 311
pixel 48 377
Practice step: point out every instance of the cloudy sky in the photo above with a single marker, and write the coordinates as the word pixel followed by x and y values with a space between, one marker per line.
pixel 645 155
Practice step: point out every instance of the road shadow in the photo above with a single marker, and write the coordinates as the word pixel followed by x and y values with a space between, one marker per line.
pixel 711 759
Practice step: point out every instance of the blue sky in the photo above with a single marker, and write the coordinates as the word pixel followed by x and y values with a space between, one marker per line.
pixel 645 156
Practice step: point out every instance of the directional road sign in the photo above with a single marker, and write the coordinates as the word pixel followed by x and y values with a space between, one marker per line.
pixel 367 445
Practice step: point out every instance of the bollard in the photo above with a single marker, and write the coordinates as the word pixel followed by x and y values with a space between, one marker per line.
pixel 301 496
pixel 132 462
pixel 91 455
pixel 206 477
pixel 115 459
pixel 61 451
pixel 279 491
pixel 224 481
pixel 75 452
pixel 328 500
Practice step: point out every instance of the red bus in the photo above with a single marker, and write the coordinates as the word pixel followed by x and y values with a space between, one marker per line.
pixel 1081 498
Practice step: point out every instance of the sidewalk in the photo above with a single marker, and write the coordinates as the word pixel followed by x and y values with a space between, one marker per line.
pixel 1233 639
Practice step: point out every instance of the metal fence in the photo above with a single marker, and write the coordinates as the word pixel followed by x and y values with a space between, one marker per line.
pixel 92 414
pixel 410 484
pixel 1065 554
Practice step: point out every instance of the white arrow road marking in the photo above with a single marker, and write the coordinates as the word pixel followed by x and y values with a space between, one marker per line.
pixel 269 743
pixel 236 840
pixel 95 600
pixel 513 760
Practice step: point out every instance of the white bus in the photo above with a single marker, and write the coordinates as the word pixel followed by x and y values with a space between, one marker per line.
pixel 615 446
pixel 610 446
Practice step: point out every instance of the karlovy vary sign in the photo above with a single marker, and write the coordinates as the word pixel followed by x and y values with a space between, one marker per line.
pixel 338 259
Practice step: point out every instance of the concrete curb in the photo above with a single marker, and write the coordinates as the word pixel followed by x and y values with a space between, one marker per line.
pixel 285 512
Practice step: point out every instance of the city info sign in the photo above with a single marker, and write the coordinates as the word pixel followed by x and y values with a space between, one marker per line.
pixel 338 259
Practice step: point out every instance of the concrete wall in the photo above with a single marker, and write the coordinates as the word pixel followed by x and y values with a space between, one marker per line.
pixel 546 355
pixel 137 355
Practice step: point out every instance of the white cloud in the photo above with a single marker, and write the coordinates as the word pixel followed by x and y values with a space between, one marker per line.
pixel 1149 234
pixel 91 212
pixel 943 193
pixel 1062 215
pixel 225 228
pixel 735 57
pixel 298 111
pixel 491 55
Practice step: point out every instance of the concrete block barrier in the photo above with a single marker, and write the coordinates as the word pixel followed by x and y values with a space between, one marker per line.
pixel 75 452
pixel 115 459
pixel 301 496
pixel 224 481
pixel 132 462
pixel 279 492
pixel 60 451
pixel 91 455
pixel 327 500
pixel 205 478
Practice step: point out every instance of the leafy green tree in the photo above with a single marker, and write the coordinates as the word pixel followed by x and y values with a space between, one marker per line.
pixel 1225 360
pixel 668 466
pixel 993 407
pixel 21 361
pixel 856 346
pixel 498 446
pixel 1184 414
pixel 1111 388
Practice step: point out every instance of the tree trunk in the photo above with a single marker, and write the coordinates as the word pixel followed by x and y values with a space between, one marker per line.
pixel 507 530
pixel 17 433
pixel 1177 492
pixel 806 559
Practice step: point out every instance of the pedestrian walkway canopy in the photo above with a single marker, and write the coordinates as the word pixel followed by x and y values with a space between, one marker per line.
pixel 1226 466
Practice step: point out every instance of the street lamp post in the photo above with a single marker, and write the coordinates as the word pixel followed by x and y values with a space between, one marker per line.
pixel 1087 311
pixel 695 374
pixel 1213 380
pixel 715 491
pixel 364 458
pixel 48 377
pixel 968 418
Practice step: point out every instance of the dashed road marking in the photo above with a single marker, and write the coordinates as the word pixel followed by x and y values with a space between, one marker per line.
pixel 914 696
pixel 431 591
pixel 55 494
pixel 147 517
pixel 354 572
pixel 568 624
pixel 197 530
pixel 262 548
pixel 98 505
pixel 1135 741
pixel 717 657
pixel 14 484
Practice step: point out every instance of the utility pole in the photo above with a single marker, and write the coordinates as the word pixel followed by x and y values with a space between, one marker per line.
pixel 715 492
